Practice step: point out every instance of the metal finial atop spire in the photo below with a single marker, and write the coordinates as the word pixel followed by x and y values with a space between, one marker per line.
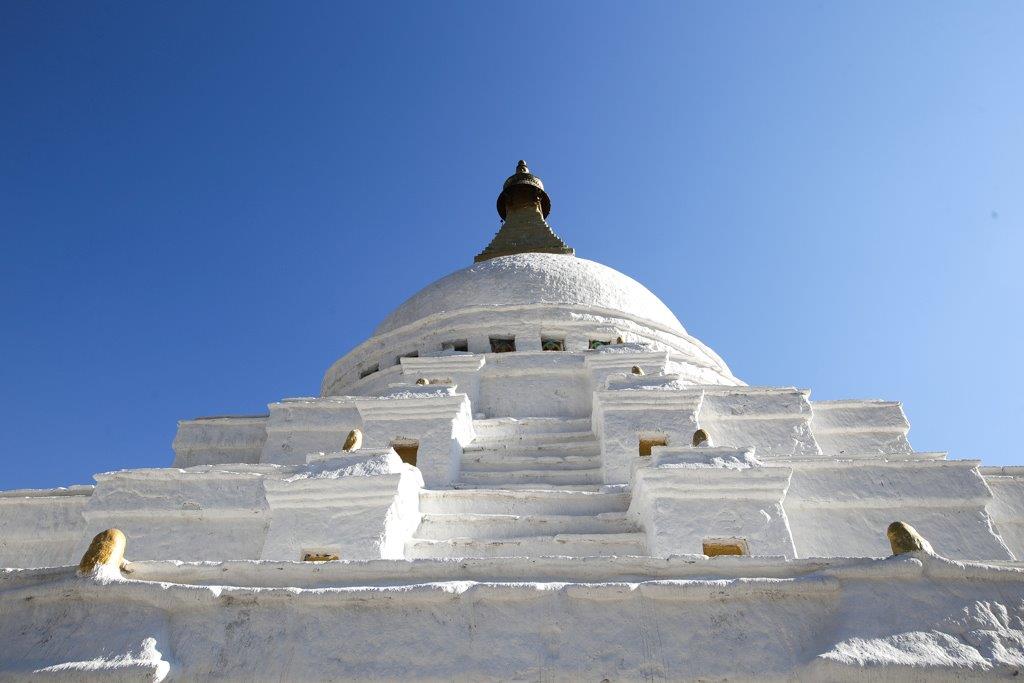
pixel 522 176
pixel 523 206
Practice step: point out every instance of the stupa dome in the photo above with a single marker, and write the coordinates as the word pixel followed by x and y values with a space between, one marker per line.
pixel 528 292
pixel 533 279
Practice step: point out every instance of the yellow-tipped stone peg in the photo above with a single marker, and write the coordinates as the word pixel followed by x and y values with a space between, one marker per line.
pixel 105 551
pixel 904 539
pixel 354 441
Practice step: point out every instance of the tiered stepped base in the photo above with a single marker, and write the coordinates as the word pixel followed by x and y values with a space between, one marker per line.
pixel 529 487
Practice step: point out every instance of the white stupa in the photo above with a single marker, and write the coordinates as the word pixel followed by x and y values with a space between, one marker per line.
pixel 546 478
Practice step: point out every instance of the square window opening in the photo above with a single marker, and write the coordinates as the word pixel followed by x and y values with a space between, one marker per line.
pixel 407 450
pixel 552 344
pixel 318 555
pixel 598 343
pixel 411 354
pixel 503 344
pixel 713 547
pixel 649 442
pixel 455 345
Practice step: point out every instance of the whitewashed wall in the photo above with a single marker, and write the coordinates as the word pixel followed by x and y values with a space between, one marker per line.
pixel 218 440
pixel 906 618
pixel 43 527
pixel 1007 505
pixel 834 507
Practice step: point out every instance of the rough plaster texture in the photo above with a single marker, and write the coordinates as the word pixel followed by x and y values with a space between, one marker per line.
pixel 202 513
pixel 531 279
pixel 532 540
pixel 1007 505
pixel 216 440
pixel 842 427
pixel 534 384
pixel 438 418
pixel 622 619
pixel 297 427
pixel 775 420
pixel 353 506
pixel 834 507
pixel 43 527
pixel 684 496
pixel 526 296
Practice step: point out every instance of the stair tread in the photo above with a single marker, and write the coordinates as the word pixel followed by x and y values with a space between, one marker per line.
pixel 506 526
pixel 532 422
pixel 511 463
pixel 501 515
pixel 502 480
pixel 492 479
pixel 582 435
pixel 527 486
pixel 482 517
pixel 529 456
pixel 447 492
pixel 518 540
pixel 536 471
pixel 568 540
pixel 558 499
pixel 571 545
pixel 538 449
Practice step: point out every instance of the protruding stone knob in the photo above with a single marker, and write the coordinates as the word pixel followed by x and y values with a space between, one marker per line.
pixel 106 552
pixel 904 539
pixel 354 441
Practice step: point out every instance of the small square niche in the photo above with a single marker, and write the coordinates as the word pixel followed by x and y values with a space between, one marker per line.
pixel 455 345
pixel 503 344
pixel 318 556
pixel 407 450
pixel 649 442
pixel 598 343
pixel 714 547
pixel 411 354
pixel 552 344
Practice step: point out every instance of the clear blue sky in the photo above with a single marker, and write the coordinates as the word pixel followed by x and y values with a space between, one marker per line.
pixel 204 204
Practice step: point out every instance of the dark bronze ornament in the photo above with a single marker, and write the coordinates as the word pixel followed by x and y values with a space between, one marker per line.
pixel 524 206
pixel 523 178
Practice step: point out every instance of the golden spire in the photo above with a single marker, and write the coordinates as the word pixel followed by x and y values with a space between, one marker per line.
pixel 523 206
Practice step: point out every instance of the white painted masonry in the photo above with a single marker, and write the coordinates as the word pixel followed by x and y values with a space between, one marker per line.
pixel 551 528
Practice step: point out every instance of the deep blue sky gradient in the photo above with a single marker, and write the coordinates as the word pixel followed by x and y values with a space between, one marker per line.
pixel 204 204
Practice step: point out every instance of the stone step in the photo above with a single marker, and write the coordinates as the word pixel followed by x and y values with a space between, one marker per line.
pixel 532 476
pixel 585 446
pixel 572 545
pixel 507 427
pixel 526 487
pixel 534 502
pixel 472 525
pixel 477 462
